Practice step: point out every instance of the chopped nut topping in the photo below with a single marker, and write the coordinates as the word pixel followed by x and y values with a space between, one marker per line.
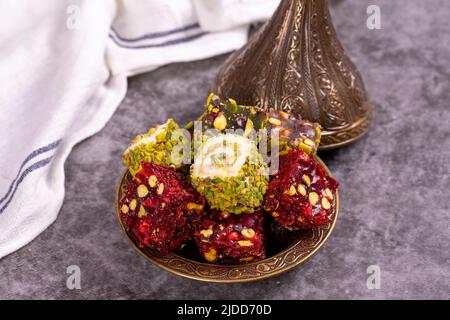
pixel 160 188
pixel 325 203
pixel 142 212
pixel 161 136
pixel 206 233
pixel 307 179
pixel 309 142
pixel 194 206
pixel 142 191
pixel 248 232
pixel 305 147
pixel 211 255
pixel 248 128
pixel 292 191
pixel 284 115
pixel 275 214
pixel 329 194
pixel 133 204
pixel 233 102
pixel 152 180
pixel 300 219
pixel 247 259
pixel 313 198
pixel 124 209
pixel 285 132
pixel 275 121
pixel 220 123
pixel 245 243
pixel 301 189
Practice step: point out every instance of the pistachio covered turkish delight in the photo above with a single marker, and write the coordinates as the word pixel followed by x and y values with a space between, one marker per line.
pixel 155 146
pixel 292 130
pixel 229 171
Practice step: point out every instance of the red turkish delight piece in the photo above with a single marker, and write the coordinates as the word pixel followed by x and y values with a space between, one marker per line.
pixel 232 239
pixel 300 195
pixel 161 208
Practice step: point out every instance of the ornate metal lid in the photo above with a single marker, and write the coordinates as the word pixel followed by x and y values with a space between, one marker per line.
pixel 296 63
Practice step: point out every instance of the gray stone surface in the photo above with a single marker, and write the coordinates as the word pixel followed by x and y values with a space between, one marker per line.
pixel 395 181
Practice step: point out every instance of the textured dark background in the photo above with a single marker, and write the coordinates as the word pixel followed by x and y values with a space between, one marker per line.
pixel 395 181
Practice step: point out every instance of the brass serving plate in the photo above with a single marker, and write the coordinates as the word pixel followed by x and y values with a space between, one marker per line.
pixel 304 246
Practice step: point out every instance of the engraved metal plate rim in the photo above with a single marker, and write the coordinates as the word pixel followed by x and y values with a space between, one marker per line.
pixel 223 273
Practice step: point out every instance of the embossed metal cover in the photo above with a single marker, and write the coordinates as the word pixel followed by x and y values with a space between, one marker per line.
pixel 303 246
pixel 296 63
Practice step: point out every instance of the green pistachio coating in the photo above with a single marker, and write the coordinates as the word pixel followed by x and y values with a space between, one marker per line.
pixel 294 131
pixel 155 146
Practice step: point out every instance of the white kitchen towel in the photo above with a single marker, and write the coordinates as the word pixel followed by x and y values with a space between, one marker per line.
pixel 63 72
pixel 143 38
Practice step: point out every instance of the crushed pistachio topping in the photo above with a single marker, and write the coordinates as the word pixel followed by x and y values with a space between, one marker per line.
pixel 142 212
pixel 275 121
pixel 160 189
pixel 309 142
pixel 194 206
pixel 325 203
pixel 211 255
pixel 133 204
pixel 125 209
pixel 301 189
pixel 152 181
pixel 294 131
pixel 142 190
pixel 307 180
pixel 206 233
pixel 248 128
pixel 245 243
pixel 313 198
pixel 220 123
pixel 155 146
pixel 291 192
pixel 248 232
pixel 247 259
pixel 329 194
